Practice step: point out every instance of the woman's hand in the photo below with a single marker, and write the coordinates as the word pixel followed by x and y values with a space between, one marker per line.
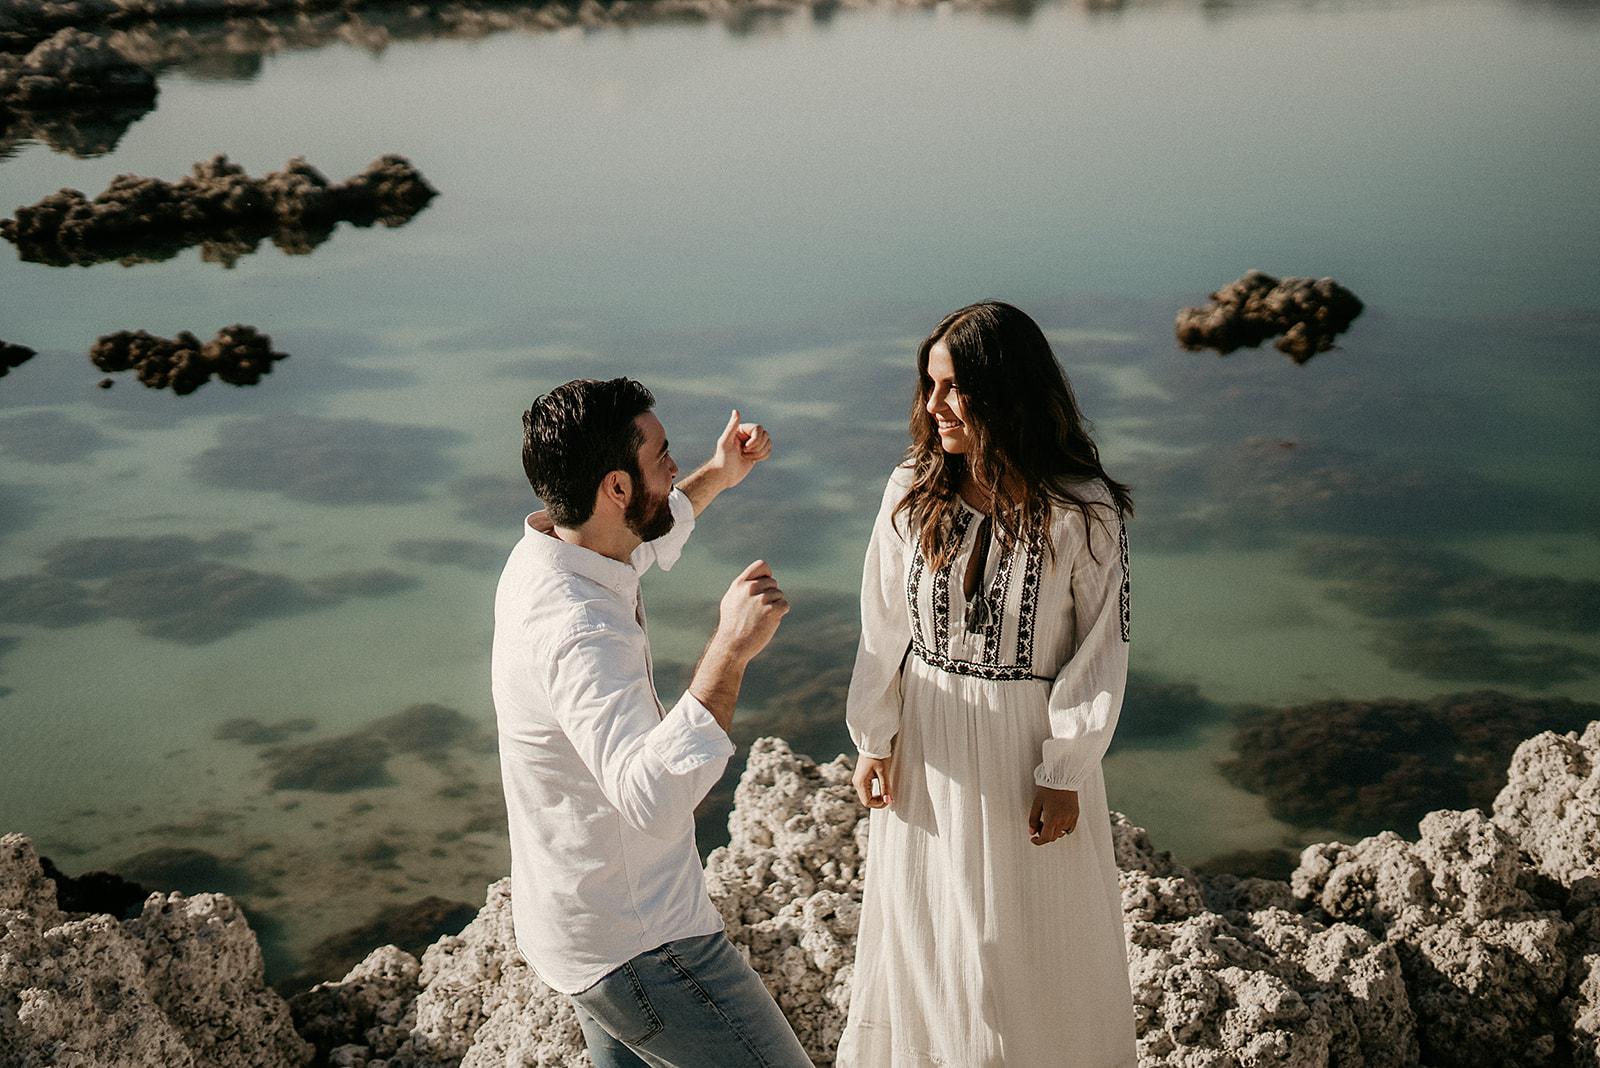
pixel 871 781
pixel 1055 813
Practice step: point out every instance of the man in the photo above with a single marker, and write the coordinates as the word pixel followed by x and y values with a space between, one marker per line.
pixel 608 896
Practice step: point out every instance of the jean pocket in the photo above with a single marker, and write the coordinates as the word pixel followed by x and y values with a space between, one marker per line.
pixel 622 1006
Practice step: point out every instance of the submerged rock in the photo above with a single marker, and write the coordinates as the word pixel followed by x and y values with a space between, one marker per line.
pixel 1308 313
pixel 1362 766
pixel 217 206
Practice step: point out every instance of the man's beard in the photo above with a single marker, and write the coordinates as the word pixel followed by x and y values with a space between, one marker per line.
pixel 649 517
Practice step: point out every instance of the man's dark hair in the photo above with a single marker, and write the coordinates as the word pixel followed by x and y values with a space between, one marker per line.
pixel 577 434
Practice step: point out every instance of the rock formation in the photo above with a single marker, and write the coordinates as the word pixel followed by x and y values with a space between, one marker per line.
pixel 239 355
pixel 1478 944
pixel 1309 314
pixel 71 67
pixel 13 356
pixel 217 206
pixel 179 986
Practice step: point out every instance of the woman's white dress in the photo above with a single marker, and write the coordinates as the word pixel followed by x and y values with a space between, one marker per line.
pixel 979 949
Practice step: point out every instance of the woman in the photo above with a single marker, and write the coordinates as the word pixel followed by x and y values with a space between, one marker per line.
pixel 988 681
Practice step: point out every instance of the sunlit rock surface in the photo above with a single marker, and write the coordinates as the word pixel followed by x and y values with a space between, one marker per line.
pixel 1307 313
pixel 1478 944
pixel 71 67
pixel 181 984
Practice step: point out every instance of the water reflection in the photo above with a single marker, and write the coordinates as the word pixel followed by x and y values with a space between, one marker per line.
pixel 174 587
pixel 1256 492
pixel 50 437
pixel 85 131
pixel 12 355
pixel 334 462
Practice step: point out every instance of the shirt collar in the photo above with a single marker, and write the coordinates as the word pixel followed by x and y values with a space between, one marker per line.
pixel 614 575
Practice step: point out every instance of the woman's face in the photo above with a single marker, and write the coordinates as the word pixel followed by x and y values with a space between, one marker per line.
pixel 944 401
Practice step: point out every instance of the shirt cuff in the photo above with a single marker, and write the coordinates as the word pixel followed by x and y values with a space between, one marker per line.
pixel 669 546
pixel 690 737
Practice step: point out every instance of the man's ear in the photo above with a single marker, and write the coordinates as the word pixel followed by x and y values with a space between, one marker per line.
pixel 617 488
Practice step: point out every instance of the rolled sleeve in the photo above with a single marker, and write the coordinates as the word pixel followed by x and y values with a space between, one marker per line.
pixel 689 737
pixel 654 770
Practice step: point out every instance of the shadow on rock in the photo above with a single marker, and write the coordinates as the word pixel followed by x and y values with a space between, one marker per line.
pixel 411 928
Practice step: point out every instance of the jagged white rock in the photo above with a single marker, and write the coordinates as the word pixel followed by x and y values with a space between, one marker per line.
pixel 182 984
pixel 1478 944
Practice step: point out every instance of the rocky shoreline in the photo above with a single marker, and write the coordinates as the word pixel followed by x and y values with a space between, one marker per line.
pixel 1477 944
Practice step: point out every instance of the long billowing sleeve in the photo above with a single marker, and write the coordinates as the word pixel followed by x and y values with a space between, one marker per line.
pixel 872 709
pixel 1086 697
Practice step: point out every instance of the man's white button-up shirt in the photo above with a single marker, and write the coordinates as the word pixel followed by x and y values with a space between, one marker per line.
pixel 600 781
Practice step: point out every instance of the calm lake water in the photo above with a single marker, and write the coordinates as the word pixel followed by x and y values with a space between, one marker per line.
pixel 274 651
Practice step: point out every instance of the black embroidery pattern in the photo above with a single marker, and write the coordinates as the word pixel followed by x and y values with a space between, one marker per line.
pixel 987 666
pixel 994 626
pixel 1032 578
pixel 1125 596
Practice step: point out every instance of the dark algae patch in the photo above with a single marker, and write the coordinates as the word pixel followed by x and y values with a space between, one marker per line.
pixel 358 760
pixel 1362 767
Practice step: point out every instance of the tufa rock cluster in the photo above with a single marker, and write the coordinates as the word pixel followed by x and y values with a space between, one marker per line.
pixel 71 67
pixel 1476 945
pixel 217 206
pixel 1309 314
pixel 239 355
pixel 180 985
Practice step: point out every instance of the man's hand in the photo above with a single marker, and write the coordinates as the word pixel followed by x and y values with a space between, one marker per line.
pixel 747 619
pixel 739 448
pixel 751 611
pixel 871 781
pixel 1054 814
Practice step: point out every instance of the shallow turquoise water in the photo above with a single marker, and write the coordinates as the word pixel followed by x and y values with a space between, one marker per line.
pixel 771 219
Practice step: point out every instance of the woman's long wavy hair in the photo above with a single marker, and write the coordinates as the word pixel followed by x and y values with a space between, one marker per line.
pixel 1031 447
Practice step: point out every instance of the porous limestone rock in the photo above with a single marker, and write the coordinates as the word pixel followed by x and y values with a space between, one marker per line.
pixel 1477 945
pixel 71 67
pixel 1308 313
pixel 180 985
pixel 1551 803
pixel 217 206
pixel 1225 973
pixel 238 355
pixel 788 885
pixel 480 1006
pixel 1486 949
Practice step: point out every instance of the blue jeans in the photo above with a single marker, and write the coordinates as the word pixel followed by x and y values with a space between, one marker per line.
pixel 693 1003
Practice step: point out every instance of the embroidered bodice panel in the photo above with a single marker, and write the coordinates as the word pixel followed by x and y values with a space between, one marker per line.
pixel 1019 622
